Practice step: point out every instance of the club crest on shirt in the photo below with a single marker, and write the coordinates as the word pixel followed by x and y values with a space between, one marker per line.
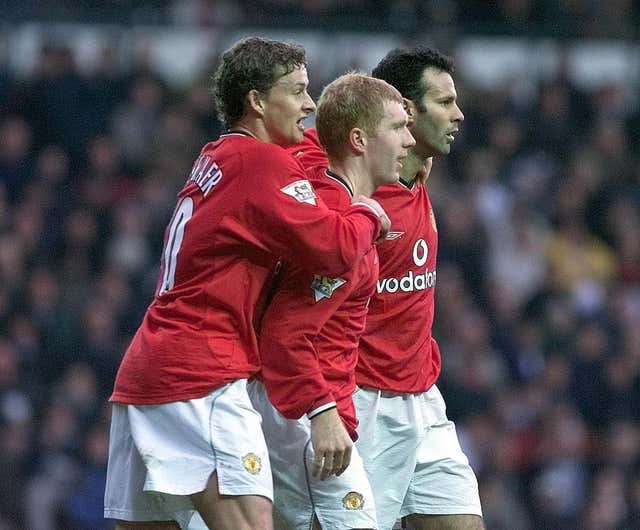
pixel 301 191
pixel 353 501
pixel 324 287
pixel 394 235
pixel 252 463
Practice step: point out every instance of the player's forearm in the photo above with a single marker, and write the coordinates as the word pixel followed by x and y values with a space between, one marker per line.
pixel 333 245
pixel 291 370
pixel 295 396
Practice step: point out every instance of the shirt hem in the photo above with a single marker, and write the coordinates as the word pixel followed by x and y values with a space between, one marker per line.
pixel 397 389
pixel 128 399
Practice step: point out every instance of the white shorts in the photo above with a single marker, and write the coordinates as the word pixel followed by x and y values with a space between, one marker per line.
pixel 161 454
pixel 338 502
pixel 413 457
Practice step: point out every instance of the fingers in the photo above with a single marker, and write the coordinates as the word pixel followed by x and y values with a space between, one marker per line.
pixel 371 203
pixel 323 463
pixel 385 226
pixel 327 468
pixel 331 463
pixel 346 460
pixel 318 460
pixel 385 222
pixel 331 444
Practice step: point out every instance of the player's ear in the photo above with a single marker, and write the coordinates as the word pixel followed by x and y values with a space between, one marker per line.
pixel 410 108
pixel 255 101
pixel 357 140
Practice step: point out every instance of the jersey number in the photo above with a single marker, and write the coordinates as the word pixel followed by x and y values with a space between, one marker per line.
pixel 181 217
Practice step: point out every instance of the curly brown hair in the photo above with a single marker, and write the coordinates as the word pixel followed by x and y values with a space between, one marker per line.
pixel 253 63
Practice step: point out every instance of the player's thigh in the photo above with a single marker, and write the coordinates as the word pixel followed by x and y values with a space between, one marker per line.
pixel 286 440
pixel 184 443
pixel 338 502
pixel 344 501
pixel 232 512
pixel 444 522
pixel 443 483
pixel 389 434
pixel 175 448
pixel 125 498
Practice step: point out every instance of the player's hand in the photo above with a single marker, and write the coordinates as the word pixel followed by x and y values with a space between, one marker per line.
pixel 331 444
pixel 424 171
pixel 385 222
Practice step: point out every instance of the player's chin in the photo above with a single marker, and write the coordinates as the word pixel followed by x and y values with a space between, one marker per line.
pixel 294 137
pixel 392 177
pixel 297 135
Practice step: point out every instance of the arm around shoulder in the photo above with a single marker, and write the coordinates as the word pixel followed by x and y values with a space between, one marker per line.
pixel 290 220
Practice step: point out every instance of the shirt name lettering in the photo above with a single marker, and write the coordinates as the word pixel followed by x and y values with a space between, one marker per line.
pixel 205 174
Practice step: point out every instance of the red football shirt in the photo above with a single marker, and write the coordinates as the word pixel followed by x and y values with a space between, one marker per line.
pixel 245 204
pixel 397 350
pixel 310 331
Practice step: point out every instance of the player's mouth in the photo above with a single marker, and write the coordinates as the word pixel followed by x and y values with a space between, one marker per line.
pixel 300 123
pixel 450 135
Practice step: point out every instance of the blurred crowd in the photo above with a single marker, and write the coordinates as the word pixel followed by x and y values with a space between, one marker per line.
pixel 558 18
pixel 537 301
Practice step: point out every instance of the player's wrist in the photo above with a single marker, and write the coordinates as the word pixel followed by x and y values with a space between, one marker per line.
pixel 320 409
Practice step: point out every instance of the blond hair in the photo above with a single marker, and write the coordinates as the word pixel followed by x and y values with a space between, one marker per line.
pixel 353 100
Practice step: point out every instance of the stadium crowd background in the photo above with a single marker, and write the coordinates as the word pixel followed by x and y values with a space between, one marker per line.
pixel 538 293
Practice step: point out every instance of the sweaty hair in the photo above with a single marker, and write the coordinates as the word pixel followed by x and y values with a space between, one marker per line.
pixel 352 100
pixel 403 68
pixel 252 63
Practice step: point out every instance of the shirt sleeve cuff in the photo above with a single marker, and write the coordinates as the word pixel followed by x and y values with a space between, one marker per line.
pixel 366 206
pixel 321 408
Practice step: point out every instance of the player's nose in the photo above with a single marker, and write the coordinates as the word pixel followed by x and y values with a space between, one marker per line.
pixel 309 105
pixel 408 139
pixel 458 116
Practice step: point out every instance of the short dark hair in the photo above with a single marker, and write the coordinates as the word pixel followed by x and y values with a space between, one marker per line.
pixel 403 68
pixel 252 63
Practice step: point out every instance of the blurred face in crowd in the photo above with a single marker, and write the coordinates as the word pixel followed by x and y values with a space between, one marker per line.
pixel 436 116
pixel 285 106
pixel 388 148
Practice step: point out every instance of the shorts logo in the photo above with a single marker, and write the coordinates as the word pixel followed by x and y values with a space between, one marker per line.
pixel 301 191
pixel 323 287
pixel 353 501
pixel 252 463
